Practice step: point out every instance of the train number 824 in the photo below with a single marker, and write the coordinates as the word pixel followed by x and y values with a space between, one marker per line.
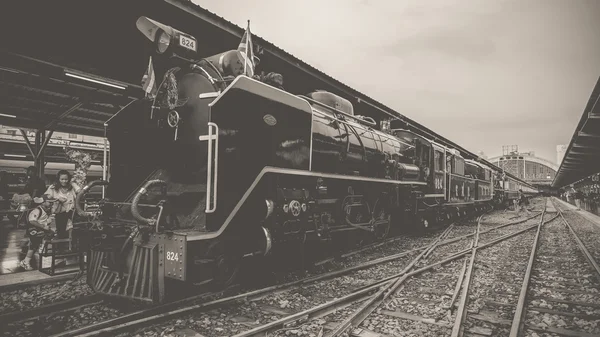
pixel 172 256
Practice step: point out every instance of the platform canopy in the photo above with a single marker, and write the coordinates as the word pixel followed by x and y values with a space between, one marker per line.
pixel 582 158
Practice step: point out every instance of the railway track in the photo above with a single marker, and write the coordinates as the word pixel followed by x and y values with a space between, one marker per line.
pixel 40 313
pixel 561 291
pixel 360 281
pixel 587 232
pixel 425 304
pixel 492 289
pixel 361 304
pixel 354 286
pixel 295 323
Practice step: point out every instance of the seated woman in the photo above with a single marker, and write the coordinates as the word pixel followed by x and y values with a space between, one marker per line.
pixel 65 192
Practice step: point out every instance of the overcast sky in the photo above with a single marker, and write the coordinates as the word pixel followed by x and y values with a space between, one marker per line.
pixel 483 73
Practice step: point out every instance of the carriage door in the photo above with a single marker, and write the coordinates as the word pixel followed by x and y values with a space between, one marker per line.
pixel 422 160
pixel 438 175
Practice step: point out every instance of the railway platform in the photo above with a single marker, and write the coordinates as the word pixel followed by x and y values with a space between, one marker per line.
pixel 12 281
pixel 592 218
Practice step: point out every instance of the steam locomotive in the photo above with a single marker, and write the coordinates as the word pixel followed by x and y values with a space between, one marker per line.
pixel 220 166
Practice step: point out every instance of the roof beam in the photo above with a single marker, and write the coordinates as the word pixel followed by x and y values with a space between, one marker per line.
pixel 59 88
pixel 592 115
pixel 585 146
pixel 63 115
pixel 586 134
pixel 27 65
pixel 577 153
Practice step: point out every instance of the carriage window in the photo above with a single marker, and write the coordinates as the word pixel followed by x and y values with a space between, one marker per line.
pixel 439 161
pixel 425 155
pixel 459 166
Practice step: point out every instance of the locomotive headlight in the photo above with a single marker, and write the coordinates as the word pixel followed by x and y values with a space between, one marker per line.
pixel 165 37
pixel 163 41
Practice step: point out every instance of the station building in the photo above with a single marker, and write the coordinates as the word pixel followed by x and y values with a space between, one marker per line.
pixel 525 165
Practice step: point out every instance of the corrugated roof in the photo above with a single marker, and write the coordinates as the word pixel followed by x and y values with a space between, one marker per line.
pixel 582 157
pixel 38 95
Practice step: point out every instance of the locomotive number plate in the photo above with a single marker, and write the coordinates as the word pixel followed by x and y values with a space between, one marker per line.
pixel 187 42
pixel 172 256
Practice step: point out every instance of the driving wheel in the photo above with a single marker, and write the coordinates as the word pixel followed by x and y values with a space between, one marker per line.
pixel 226 261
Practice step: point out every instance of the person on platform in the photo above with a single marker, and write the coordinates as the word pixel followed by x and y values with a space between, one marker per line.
pixel 34 185
pixel 523 202
pixel 65 192
pixel 38 225
pixel 578 195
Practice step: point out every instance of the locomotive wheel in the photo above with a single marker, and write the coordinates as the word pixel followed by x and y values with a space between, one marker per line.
pixel 226 264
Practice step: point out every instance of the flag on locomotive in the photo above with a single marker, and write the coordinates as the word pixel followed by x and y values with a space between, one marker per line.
pixel 149 81
pixel 247 51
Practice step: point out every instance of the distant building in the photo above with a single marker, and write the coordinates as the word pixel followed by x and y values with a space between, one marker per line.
pixel 526 166
pixel 481 154
pixel 560 153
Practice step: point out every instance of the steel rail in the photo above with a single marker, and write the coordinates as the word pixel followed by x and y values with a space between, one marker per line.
pixel 348 299
pixel 461 312
pixel 359 315
pixel 445 242
pixel 520 310
pixel 454 256
pixel 582 247
pixel 457 329
pixel 387 289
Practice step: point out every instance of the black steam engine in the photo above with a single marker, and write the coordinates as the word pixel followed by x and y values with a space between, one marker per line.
pixel 220 166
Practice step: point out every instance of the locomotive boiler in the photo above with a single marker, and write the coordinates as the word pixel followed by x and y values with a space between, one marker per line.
pixel 219 166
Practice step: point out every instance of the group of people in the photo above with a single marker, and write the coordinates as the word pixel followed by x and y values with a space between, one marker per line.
pixel 52 211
